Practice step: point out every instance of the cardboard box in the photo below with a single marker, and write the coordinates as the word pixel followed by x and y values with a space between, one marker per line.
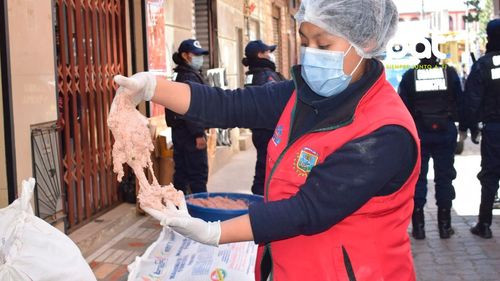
pixel 166 170
pixel 163 147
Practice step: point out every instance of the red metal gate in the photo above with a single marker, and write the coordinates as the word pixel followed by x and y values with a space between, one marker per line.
pixel 90 51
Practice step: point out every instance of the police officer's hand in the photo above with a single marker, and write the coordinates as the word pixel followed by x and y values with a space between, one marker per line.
pixel 475 136
pixel 201 143
pixel 181 222
pixel 141 85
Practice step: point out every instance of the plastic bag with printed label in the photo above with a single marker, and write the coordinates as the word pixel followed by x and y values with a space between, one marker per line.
pixel 176 258
pixel 33 250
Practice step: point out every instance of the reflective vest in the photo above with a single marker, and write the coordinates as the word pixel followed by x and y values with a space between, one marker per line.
pixel 433 103
pixel 372 243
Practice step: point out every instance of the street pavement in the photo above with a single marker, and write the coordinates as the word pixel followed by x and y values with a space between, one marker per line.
pixel 464 257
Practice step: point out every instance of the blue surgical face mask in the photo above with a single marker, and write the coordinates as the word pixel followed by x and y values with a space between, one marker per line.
pixel 272 57
pixel 197 62
pixel 323 70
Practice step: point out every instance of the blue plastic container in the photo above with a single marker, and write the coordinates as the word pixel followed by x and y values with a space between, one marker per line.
pixel 213 214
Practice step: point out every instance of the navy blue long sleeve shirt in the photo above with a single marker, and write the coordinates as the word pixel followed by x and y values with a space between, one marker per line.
pixel 377 164
pixel 480 97
pixel 474 89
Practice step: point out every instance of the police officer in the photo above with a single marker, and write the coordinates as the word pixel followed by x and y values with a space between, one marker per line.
pixel 482 104
pixel 189 139
pixel 260 60
pixel 431 91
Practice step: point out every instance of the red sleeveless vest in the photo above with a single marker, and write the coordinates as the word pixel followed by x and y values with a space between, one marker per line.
pixel 372 243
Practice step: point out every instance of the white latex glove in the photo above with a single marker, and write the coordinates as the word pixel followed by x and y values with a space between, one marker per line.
pixel 462 136
pixel 181 222
pixel 141 85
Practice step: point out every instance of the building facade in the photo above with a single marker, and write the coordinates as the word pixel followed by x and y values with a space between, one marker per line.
pixel 28 86
pixel 445 21
pixel 56 74
pixel 225 26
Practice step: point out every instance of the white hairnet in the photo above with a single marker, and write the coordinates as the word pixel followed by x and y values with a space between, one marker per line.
pixel 367 24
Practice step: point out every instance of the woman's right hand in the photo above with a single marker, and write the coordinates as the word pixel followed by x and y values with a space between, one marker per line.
pixel 182 222
pixel 141 85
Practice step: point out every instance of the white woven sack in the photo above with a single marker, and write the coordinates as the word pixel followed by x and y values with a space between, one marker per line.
pixel 33 250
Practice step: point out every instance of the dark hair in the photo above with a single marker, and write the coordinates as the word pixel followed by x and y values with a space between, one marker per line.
pixel 178 59
pixel 245 62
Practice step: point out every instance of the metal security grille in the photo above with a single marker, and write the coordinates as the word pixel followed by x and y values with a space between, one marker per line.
pixel 202 15
pixel 90 51
pixel 47 171
pixel 205 19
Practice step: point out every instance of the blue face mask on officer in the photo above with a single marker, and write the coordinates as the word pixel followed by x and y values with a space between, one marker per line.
pixel 196 62
pixel 323 70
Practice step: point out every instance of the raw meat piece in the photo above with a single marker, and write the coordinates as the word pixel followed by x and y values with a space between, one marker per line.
pixel 219 202
pixel 133 145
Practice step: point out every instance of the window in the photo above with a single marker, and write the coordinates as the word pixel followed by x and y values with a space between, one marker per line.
pixel 253 30
pixel 277 36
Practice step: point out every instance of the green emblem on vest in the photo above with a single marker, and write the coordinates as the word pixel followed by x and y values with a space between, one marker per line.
pixel 304 162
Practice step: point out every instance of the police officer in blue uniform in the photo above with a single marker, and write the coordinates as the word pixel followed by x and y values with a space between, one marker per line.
pixel 260 60
pixel 482 104
pixel 431 92
pixel 189 139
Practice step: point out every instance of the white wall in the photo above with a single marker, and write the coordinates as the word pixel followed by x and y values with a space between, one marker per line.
pixel 229 17
pixel 179 26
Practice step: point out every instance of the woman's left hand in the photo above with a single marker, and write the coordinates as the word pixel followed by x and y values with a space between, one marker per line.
pixel 179 220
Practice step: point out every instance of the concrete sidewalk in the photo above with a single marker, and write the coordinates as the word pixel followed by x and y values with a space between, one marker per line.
pixel 463 257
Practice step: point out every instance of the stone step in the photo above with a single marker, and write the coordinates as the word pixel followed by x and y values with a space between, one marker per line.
pixel 101 230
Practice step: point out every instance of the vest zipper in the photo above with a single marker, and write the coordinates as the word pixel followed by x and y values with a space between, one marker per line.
pixel 282 154
pixel 289 144
pixel 348 265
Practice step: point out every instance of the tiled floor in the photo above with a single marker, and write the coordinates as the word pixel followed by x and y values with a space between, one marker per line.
pixel 110 262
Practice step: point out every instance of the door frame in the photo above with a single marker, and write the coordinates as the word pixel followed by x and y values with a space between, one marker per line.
pixel 10 154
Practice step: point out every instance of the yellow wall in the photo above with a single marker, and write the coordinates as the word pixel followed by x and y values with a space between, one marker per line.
pixel 31 48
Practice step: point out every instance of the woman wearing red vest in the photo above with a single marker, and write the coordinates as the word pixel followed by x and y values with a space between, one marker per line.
pixel 342 164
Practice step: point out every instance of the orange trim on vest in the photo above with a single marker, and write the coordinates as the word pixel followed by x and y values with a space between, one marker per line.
pixel 370 244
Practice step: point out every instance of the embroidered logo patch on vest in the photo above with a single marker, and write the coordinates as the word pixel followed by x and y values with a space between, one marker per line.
pixel 304 162
pixel 278 132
